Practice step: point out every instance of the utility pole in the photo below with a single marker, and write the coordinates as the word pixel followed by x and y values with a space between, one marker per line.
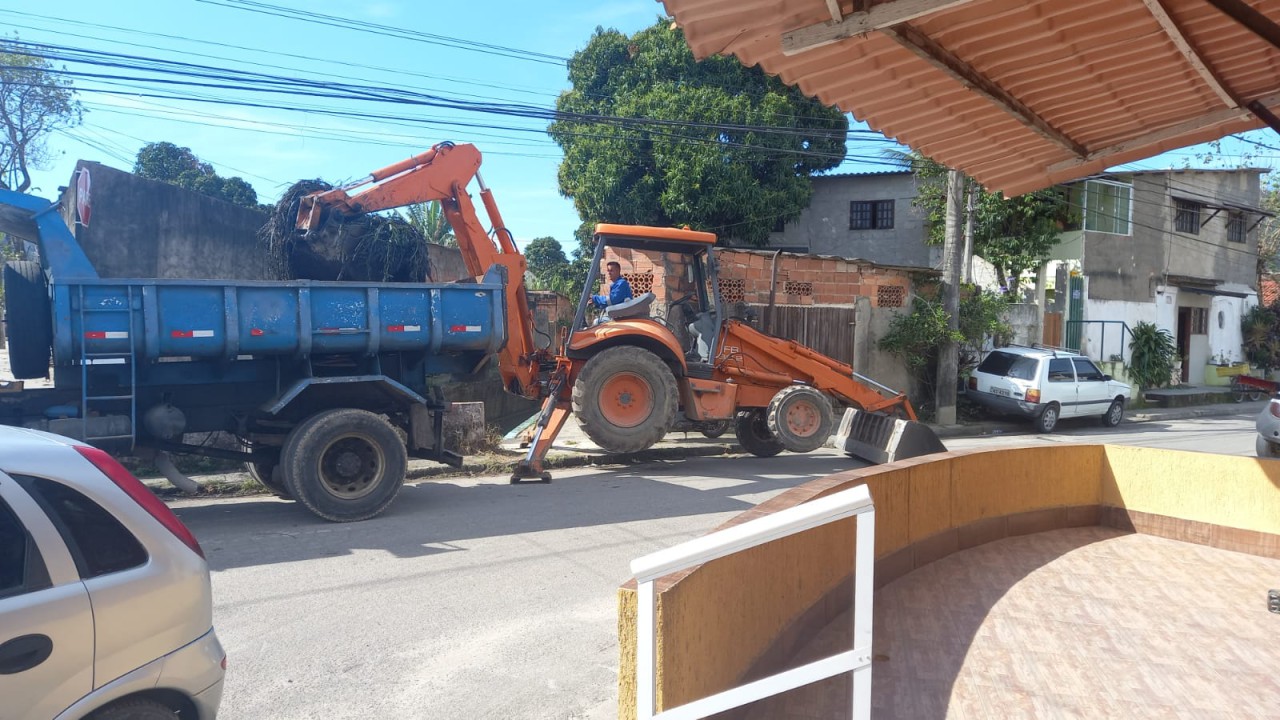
pixel 952 260
pixel 971 204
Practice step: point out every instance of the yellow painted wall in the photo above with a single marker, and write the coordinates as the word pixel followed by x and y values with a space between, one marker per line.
pixel 717 621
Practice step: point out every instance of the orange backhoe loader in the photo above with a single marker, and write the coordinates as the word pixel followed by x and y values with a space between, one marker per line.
pixel 629 371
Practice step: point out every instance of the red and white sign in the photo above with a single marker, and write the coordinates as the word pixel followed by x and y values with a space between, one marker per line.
pixel 84 206
pixel 465 328
pixel 105 335
pixel 404 328
pixel 191 333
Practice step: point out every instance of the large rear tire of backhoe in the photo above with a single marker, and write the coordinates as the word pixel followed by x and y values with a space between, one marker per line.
pixel 801 418
pixel 28 322
pixel 344 465
pixel 752 428
pixel 625 399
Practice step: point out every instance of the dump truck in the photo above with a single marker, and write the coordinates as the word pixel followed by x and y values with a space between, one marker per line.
pixel 326 384
pixel 625 371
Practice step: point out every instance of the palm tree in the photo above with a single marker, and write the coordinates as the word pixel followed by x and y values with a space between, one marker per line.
pixel 428 218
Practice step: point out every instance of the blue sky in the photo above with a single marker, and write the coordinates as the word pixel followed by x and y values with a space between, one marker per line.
pixel 272 148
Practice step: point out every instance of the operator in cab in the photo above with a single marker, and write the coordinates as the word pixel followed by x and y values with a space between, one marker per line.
pixel 619 288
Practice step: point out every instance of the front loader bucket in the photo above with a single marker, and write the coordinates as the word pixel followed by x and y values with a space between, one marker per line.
pixel 879 438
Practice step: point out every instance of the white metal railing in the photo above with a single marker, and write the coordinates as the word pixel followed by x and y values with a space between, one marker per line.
pixel 647 569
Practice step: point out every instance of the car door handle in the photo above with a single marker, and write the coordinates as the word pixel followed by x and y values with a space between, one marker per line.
pixel 23 653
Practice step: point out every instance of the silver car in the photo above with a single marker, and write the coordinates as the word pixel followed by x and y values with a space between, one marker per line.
pixel 1267 444
pixel 105 607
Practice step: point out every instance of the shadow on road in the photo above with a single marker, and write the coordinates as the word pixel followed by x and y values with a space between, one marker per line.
pixel 432 517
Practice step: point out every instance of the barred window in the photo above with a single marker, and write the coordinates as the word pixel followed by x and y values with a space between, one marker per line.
pixel 1187 216
pixel 1235 227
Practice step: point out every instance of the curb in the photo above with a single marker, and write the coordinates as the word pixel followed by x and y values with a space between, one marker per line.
pixel 1163 414
pixel 576 459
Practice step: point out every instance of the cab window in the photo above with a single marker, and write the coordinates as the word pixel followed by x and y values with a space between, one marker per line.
pixel 1087 371
pixel 1060 370
pixel 1004 364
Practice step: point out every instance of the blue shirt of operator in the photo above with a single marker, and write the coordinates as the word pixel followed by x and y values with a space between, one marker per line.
pixel 619 288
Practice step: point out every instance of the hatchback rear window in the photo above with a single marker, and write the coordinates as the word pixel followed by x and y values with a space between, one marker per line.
pixel 97 541
pixel 1003 364
pixel 22 569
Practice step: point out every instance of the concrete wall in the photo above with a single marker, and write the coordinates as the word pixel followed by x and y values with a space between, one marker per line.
pixel 737 618
pixel 823 227
pixel 1128 267
pixel 150 229
pixel 1024 320
pixel 1100 342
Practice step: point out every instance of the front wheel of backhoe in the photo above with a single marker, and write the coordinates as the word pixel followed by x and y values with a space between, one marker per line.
pixel 625 399
pixel 800 417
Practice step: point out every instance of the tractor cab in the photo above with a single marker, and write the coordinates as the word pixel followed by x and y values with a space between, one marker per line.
pixel 674 282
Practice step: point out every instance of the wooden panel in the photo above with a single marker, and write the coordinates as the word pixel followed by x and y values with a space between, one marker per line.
pixel 1052 334
pixel 829 330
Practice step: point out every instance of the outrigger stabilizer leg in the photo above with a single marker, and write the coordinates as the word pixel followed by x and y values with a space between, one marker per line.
pixel 550 421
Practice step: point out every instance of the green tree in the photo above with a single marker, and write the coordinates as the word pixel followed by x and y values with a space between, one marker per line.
pixel 34 101
pixel 1013 234
pixel 653 137
pixel 428 218
pixel 175 165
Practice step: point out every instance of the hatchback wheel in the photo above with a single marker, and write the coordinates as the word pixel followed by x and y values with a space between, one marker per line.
pixel 1114 414
pixel 135 709
pixel 1047 420
pixel 1265 448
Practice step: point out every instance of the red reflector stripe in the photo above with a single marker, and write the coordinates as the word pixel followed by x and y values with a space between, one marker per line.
pixel 395 328
pixel 95 335
pixel 256 332
pixel 181 334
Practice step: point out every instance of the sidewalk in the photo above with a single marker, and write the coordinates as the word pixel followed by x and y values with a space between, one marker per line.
pixel 1143 415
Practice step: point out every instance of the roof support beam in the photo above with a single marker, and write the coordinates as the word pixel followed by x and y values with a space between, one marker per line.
pixel 884 15
pixel 833 7
pixel 964 73
pixel 1264 114
pixel 1182 128
pixel 1174 32
pixel 1261 25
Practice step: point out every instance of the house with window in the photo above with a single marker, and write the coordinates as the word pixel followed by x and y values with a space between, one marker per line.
pixel 1177 248
pixel 864 216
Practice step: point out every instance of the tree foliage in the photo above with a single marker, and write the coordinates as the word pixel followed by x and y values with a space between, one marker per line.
pixel 550 267
pixel 175 165
pixel 34 101
pixel 1013 234
pixel 428 218
pixel 652 136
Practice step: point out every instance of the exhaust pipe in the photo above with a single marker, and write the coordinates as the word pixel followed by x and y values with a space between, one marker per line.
pixel 879 438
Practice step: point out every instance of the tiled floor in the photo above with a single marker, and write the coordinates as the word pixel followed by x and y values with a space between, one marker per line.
pixel 1079 623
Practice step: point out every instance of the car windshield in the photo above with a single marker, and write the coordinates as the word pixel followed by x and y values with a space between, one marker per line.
pixel 1019 367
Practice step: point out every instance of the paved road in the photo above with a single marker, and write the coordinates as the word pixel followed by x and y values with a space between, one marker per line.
pixel 475 599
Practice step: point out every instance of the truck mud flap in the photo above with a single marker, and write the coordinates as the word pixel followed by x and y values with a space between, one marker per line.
pixel 879 438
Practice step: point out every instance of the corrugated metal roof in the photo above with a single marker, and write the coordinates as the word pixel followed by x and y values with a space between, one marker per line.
pixel 1019 94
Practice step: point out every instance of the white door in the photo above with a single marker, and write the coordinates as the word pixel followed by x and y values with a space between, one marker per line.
pixel 1092 394
pixel 1060 386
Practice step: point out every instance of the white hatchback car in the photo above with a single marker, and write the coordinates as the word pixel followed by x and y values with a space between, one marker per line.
pixel 105 607
pixel 1045 385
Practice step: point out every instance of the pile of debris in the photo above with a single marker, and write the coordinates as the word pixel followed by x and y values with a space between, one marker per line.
pixel 360 248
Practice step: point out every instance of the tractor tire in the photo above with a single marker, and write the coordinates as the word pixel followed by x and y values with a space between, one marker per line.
pixel 752 428
pixel 28 322
pixel 801 418
pixel 625 399
pixel 344 465
pixel 714 428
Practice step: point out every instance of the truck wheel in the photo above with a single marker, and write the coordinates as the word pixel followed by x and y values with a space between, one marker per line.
pixel 28 324
pixel 268 475
pixel 625 399
pixel 752 428
pixel 714 428
pixel 344 465
pixel 800 417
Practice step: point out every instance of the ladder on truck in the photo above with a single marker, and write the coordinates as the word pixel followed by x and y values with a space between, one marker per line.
pixel 89 360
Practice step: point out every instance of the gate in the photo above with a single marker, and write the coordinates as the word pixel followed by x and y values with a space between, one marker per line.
pixel 829 330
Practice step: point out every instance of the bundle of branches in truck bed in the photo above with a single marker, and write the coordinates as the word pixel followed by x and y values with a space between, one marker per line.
pixel 363 248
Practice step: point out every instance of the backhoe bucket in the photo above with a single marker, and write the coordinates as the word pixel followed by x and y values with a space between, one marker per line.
pixel 880 438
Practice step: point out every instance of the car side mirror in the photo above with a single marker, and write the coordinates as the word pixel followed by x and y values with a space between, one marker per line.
pixel 1106 377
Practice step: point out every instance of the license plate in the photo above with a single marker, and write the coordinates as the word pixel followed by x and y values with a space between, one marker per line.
pixel 999 391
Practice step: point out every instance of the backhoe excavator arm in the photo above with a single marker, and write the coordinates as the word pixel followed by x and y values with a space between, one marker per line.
pixel 442 174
